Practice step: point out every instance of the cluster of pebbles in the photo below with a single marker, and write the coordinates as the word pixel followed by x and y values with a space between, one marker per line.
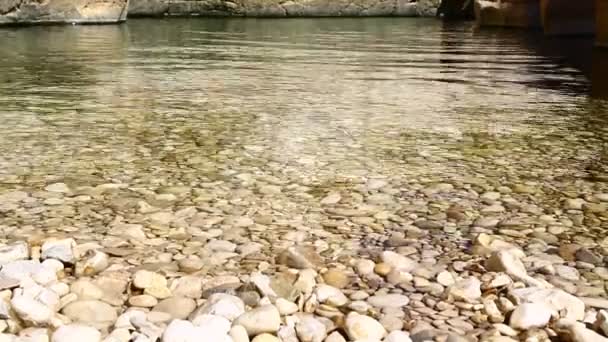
pixel 372 270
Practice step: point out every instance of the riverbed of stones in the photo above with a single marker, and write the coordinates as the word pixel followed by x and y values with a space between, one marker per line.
pixel 371 263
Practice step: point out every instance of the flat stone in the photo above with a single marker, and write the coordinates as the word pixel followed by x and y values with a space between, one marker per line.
pixel 388 301
pixel 57 187
pixel 398 262
pixel 184 331
pixel 266 338
pixel 445 278
pixel 188 286
pixel 238 334
pixel 14 252
pixel 62 250
pixel 31 310
pixel 145 279
pixel 300 258
pixel 91 312
pixel 144 301
pixel 361 327
pixel 468 290
pixel 85 289
pixel 76 333
pixel 223 305
pixel 330 295
pixel 556 300
pixel 309 329
pixel 286 307
pixel 567 272
pixel 365 267
pixel 337 337
pixel 264 319
pixel 178 307
pixel 336 278
pixel 578 332
pixel 398 336
pixel 530 315
pixel 595 302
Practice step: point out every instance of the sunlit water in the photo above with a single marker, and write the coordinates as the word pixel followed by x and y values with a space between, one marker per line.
pixel 309 104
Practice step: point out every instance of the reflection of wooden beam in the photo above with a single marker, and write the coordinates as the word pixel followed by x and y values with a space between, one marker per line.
pixel 567 17
pixel 599 74
pixel 601 20
pixel 509 13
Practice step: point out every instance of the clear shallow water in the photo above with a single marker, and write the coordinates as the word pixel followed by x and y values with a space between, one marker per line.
pixel 309 104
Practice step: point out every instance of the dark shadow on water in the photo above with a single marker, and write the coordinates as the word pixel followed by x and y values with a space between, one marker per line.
pixel 574 52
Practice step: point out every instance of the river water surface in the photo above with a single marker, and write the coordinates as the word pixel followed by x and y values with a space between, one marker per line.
pixel 245 117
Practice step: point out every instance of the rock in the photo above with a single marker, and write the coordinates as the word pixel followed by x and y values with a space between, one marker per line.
pixel 238 334
pixel 398 336
pixel 113 286
pixel 223 305
pixel 14 252
pixel 215 326
pixel 509 261
pixel 337 337
pixel 336 278
pixel 264 319
pixel 85 289
pixel 265 338
pixel 485 244
pixel 568 251
pixel 388 301
pixel 190 265
pixel 554 299
pixel 530 315
pixel 594 302
pixel 145 279
pixel 445 278
pixel 398 262
pixel 287 333
pixel 184 331
pixel 21 269
pixel 178 307
pixel 62 250
pixel 331 198
pixel 365 267
pixel 361 327
pixel 58 188
pixel 468 290
pixel 574 203
pixel 262 283
pixel 144 301
pixel 94 263
pixel 330 295
pixel 309 329
pixel 567 272
pixel 91 312
pixel 286 307
pixel 382 269
pixel 577 332
pixel 76 333
pixel 585 255
pixel 396 277
pixel 126 231
pixel 188 286
pixel 300 258
pixel 158 292
pixel 31 310
pixel 492 311
pixel 601 322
